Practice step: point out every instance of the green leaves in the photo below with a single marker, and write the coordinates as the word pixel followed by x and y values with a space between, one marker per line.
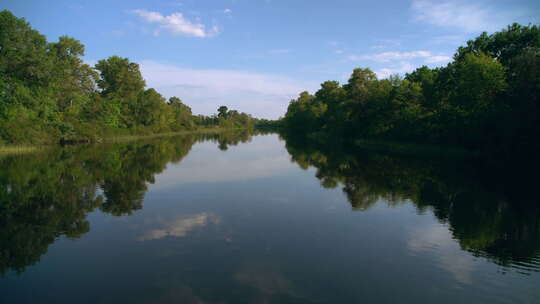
pixel 48 94
pixel 503 45
pixel 119 77
pixel 487 99
pixel 222 111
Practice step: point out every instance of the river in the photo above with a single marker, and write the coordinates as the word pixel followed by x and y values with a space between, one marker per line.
pixel 236 218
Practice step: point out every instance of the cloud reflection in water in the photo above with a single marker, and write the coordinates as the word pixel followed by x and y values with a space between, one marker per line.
pixel 180 226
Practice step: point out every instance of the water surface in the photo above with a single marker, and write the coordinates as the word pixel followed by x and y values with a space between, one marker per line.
pixel 241 219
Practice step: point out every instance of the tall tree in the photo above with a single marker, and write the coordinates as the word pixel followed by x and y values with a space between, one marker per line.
pixel 503 45
pixel 222 111
pixel 75 81
pixel 120 77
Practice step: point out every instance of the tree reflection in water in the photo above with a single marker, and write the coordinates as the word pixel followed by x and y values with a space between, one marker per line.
pixel 489 214
pixel 46 195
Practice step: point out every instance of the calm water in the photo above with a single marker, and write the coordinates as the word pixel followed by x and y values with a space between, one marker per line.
pixel 240 219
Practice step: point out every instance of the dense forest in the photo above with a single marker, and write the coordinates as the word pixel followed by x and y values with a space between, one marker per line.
pixel 486 99
pixel 48 94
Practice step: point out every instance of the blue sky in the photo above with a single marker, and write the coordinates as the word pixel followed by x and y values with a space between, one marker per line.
pixel 256 55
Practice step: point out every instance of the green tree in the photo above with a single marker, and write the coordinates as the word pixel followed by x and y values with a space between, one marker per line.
pixel 48 94
pixel 427 78
pixel 182 116
pixel 222 111
pixel 359 84
pixel 23 51
pixel 478 82
pixel 75 81
pixel 503 45
pixel 120 77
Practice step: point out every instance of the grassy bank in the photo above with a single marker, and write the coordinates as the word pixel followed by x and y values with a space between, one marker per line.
pixel 20 149
pixel 121 138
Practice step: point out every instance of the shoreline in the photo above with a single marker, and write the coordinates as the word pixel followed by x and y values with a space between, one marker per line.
pixel 22 149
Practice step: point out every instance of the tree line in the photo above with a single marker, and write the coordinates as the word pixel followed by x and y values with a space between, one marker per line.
pixel 486 99
pixel 49 94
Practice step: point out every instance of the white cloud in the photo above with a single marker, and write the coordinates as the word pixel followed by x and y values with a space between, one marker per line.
pixel 390 56
pixel 263 157
pixel 438 59
pixel 179 226
pixel 176 23
pixel 466 16
pixel 262 95
pixel 404 67
pixel 339 51
pixel 227 11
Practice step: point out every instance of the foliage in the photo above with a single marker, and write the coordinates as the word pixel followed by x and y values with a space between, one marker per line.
pixel 485 100
pixel 48 94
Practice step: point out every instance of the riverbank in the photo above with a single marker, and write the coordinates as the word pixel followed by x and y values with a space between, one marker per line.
pixel 17 149
pixel 21 149
pixel 123 138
